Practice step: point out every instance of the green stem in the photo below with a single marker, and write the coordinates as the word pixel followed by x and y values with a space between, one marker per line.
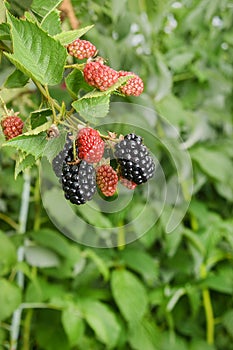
pixel 3 105
pixel 9 221
pixel 208 309
pixel 121 237
pixel 27 329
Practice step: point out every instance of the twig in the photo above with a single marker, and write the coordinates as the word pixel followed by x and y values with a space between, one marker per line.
pixel 67 8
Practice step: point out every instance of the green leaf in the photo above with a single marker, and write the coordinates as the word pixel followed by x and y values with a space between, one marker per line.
pixel 41 257
pixel 54 146
pixel 66 38
pixel 92 108
pixel 33 144
pixel 221 281
pixel 52 23
pixel 99 262
pixel 38 129
pixel 52 240
pixel 7 254
pixel 36 53
pixel 22 163
pixel 73 323
pixel 42 7
pixel 227 321
pixel 39 117
pixel 142 263
pixel 75 82
pixel 214 163
pixel 10 298
pixel 4 31
pixel 144 335
pixel 103 321
pixel 129 295
pixel 16 79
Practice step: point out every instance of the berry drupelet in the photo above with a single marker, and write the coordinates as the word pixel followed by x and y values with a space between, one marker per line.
pixel 135 162
pixel 58 161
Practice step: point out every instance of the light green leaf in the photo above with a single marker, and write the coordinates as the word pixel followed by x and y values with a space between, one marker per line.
pixel 10 298
pixel 22 163
pixel 73 323
pixel 103 321
pixel 54 146
pixel 66 38
pixel 214 163
pixel 141 262
pixel 144 335
pixel 41 257
pixel 99 262
pixel 7 254
pixel 52 240
pixel 36 53
pixel 16 79
pixel 52 23
pixel 33 144
pixel 42 7
pixel 129 294
pixel 92 108
pixel 38 129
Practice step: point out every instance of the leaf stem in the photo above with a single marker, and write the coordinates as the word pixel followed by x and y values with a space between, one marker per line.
pixel 9 221
pixel 208 309
pixel 27 329
pixel 3 105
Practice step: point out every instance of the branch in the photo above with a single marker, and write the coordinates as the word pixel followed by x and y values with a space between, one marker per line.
pixel 67 8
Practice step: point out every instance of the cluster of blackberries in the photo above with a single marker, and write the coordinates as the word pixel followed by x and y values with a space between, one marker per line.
pixel 81 174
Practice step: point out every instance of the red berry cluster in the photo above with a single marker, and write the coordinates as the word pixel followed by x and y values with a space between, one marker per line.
pixel 100 76
pixel 12 126
pixel 81 49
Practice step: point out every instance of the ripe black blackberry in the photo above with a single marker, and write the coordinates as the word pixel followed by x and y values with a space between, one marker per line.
pixel 78 180
pixel 135 162
pixel 58 161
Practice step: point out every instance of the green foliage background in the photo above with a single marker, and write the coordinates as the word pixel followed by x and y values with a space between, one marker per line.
pixel 162 291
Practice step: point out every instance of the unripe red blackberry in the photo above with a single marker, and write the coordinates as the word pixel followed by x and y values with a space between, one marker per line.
pixel 100 76
pixel 135 162
pixel 81 49
pixel 134 86
pixel 12 126
pixel 90 145
pixel 107 179
pixel 127 183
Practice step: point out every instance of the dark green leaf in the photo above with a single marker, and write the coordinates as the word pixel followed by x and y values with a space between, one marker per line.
pixel 75 82
pixel 22 163
pixel 35 52
pixel 16 79
pixel 4 31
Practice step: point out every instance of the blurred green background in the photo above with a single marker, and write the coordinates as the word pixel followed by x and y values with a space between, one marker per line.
pixel 163 291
